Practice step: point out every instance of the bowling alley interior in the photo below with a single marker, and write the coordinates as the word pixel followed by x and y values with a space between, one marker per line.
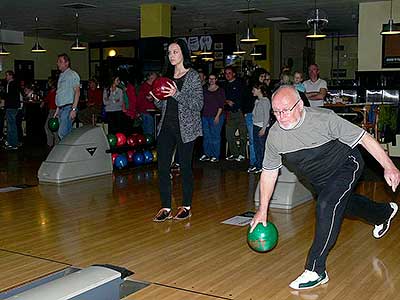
pixel 89 91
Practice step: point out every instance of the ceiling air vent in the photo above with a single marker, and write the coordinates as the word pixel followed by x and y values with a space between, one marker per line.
pixel 78 5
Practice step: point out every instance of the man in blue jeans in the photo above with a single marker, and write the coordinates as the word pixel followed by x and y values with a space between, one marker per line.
pixel 11 105
pixel 67 97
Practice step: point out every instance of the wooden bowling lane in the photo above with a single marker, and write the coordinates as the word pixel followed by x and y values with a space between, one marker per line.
pixel 17 268
pixel 108 220
pixel 167 293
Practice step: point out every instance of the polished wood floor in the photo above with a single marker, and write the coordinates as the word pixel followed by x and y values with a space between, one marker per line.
pixel 45 228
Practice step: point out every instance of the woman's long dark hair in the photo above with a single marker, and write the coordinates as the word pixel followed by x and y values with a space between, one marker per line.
pixel 256 75
pixel 168 69
pixel 111 82
pixel 262 87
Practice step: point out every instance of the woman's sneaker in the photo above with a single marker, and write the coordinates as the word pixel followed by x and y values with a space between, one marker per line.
pixel 183 213
pixel 162 215
pixel 308 280
pixel 214 160
pixel 380 230
pixel 204 158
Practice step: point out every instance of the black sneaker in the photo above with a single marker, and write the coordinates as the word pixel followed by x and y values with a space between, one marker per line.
pixel 182 213
pixel 380 230
pixel 231 157
pixel 9 147
pixel 162 215
pixel 251 169
pixel 175 167
pixel 204 158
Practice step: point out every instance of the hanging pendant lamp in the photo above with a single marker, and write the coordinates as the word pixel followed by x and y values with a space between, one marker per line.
pixel 77 46
pixel 36 47
pixel 316 20
pixel 238 50
pixel 249 36
pixel 3 51
pixel 315 33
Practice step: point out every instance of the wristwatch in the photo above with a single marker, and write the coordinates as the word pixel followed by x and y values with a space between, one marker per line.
pixel 75 109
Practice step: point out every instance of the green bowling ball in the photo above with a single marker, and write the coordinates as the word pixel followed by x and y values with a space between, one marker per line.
pixel 53 124
pixel 149 139
pixel 263 238
pixel 112 140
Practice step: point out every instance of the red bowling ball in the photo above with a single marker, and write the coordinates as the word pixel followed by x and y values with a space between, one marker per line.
pixel 130 155
pixel 158 87
pixel 121 139
pixel 113 157
pixel 132 140
pixel 141 140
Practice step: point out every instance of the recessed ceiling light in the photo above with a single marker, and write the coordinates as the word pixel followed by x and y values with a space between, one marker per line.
pixel 45 28
pixel 294 22
pixel 277 19
pixel 71 34
pixel 251 10
pixel 125 30
pixel 204 28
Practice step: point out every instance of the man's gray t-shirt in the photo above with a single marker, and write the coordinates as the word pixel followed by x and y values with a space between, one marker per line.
pixel 315 148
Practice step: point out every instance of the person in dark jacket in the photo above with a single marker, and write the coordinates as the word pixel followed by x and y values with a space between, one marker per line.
pixel 179 126
pixel 234 116
pixel 11 105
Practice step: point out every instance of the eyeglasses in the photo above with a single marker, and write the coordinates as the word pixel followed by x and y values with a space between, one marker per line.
pixel 285 112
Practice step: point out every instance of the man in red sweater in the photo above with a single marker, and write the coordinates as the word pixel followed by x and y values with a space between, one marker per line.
pixel 145 103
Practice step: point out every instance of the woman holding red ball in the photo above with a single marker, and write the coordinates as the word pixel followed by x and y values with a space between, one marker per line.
pixel 179 127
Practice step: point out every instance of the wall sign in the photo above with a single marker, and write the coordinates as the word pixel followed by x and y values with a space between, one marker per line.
pixel 391 51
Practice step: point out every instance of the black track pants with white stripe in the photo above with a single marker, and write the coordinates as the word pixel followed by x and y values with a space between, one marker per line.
pixel 335 201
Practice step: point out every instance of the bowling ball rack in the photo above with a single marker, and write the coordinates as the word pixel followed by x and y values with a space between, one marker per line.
pixel 137 148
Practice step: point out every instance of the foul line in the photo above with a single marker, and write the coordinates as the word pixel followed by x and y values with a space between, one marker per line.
pixel 34 256
pixel 191 291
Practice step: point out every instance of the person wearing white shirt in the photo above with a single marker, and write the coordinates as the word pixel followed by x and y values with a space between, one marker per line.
pixel 316 88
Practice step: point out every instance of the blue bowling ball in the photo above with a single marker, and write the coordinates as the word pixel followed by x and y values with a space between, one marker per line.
pixel 148 157
pixel 138 159
pixel 120 161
